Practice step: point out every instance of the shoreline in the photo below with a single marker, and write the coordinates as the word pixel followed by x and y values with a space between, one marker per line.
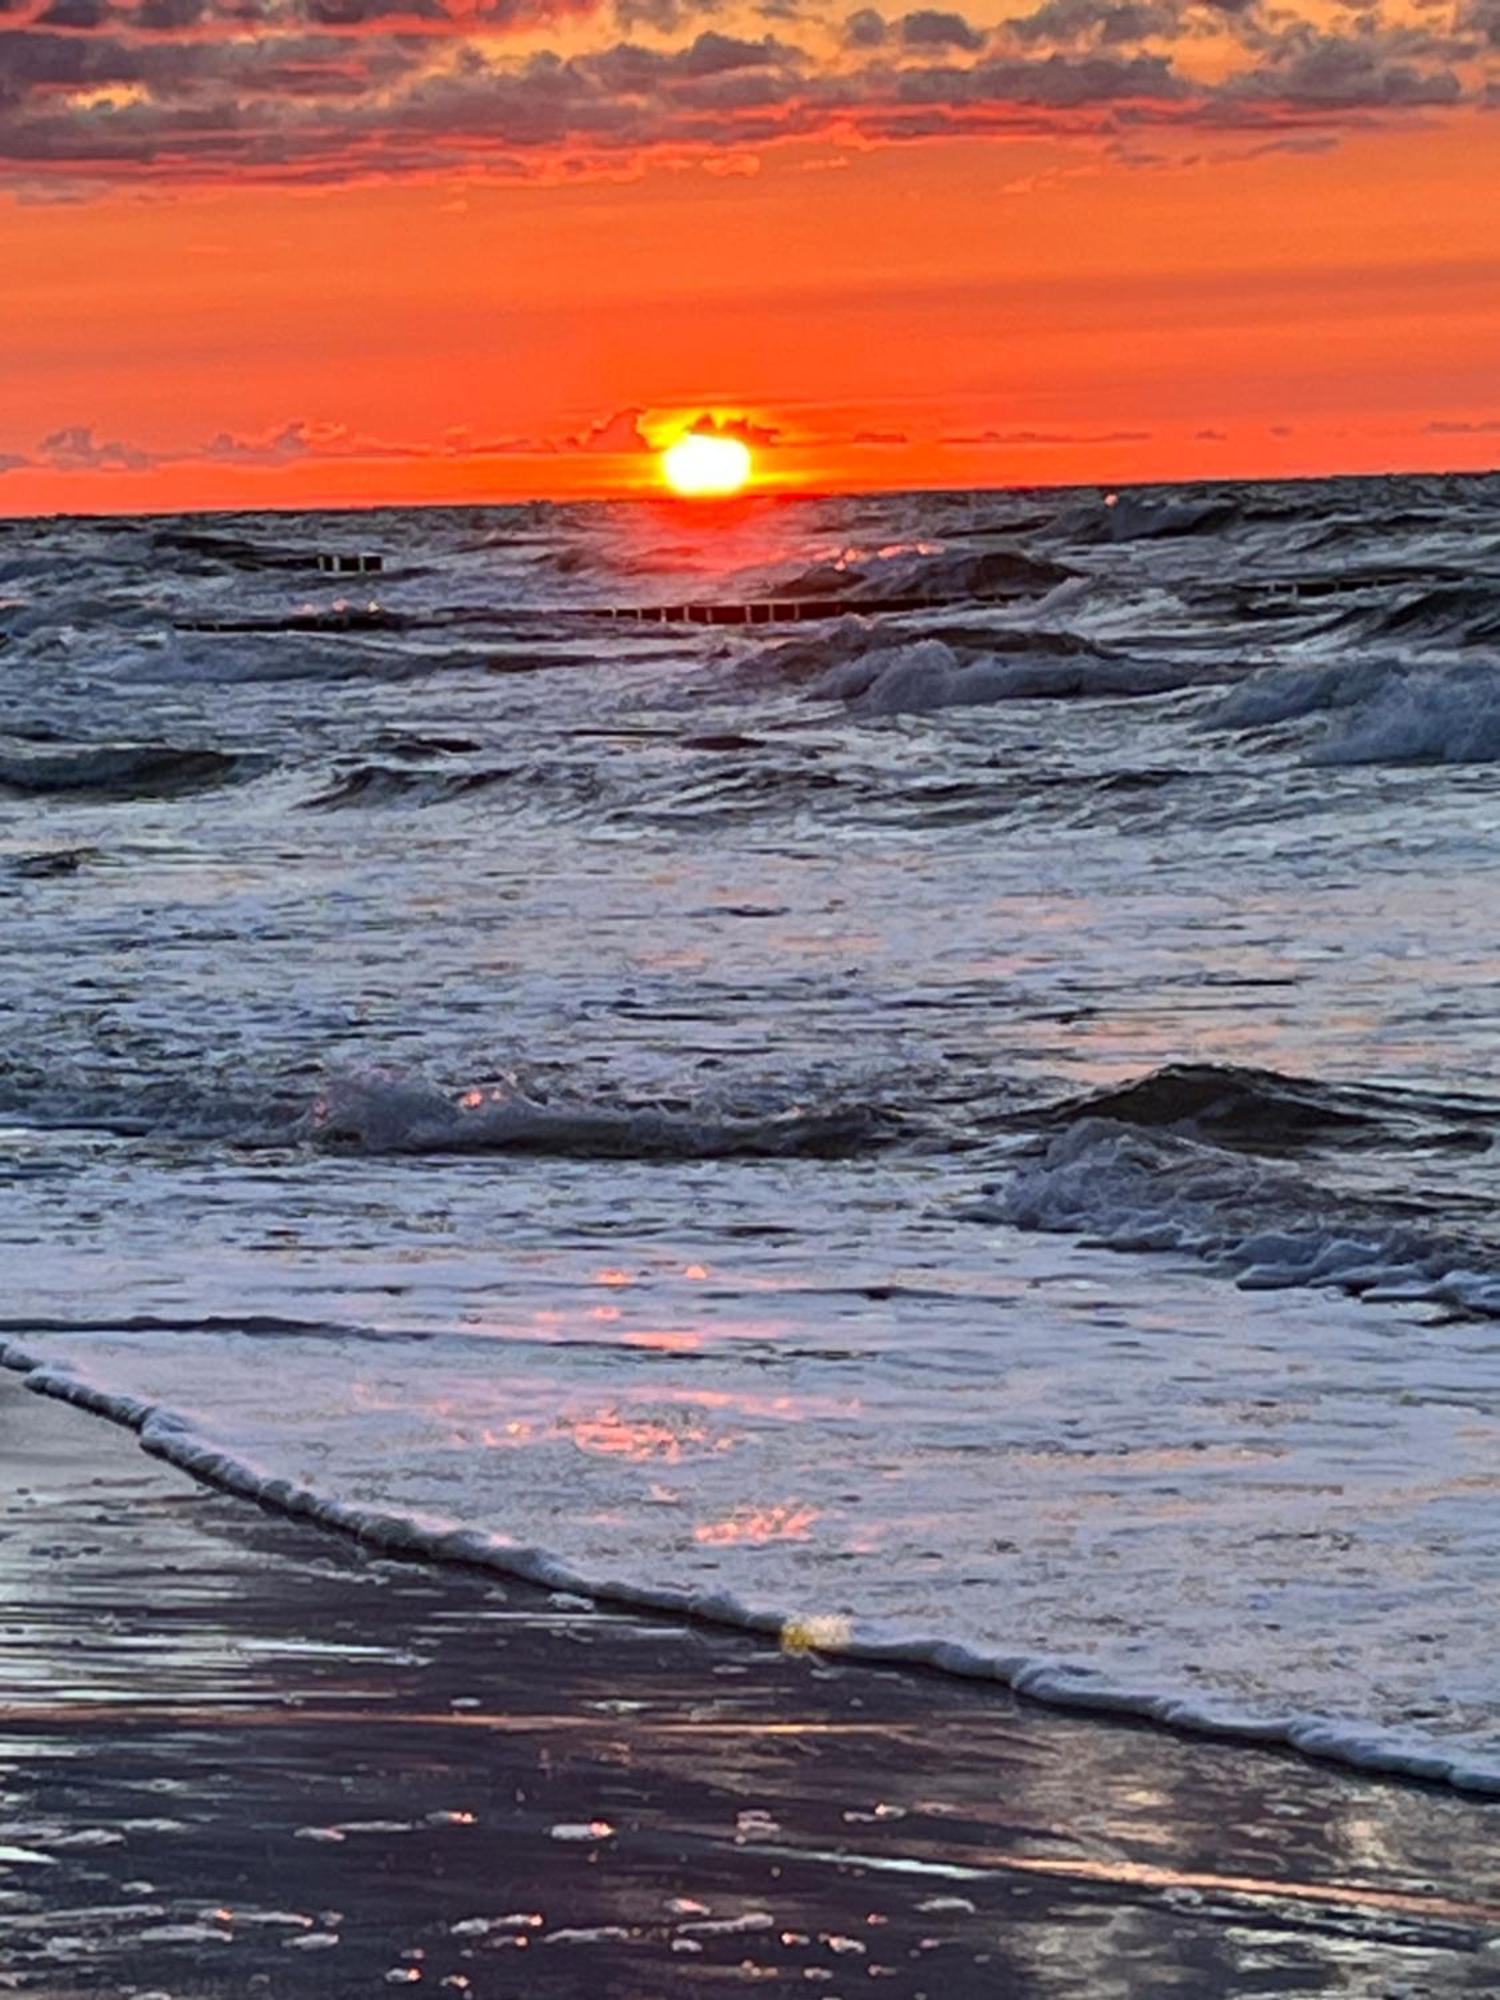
pixel 1361 1748
pixel 239 1753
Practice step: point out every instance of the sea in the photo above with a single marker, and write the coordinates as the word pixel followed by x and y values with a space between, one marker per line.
pixel 953 1119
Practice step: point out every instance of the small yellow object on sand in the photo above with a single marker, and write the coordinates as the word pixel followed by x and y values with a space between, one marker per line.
pixel 816 1634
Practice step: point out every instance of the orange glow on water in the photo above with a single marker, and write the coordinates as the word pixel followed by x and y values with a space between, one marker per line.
pixel 665 1340
pixel 756 1526
pixel 665 1436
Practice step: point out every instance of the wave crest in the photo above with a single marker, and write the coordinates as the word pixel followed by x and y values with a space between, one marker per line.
pixel 377 1112
pixel 1133 1189
pixel 1378 711
pixel 120 770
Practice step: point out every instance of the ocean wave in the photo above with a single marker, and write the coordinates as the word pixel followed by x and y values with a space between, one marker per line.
pixel 1377 711
pixel 1141 517
pixel 47 864
pixel 393 784
pixel 403 1112
pixel 1450 613
pixel 256 1326
pixel 1130 1188
pixel 206 1108
pixel 922 571
pixel 926 674
pixel 378 1112
pixel 276 654
pixel 222 550
pixel 1082 1685
pixel 1263 1111
pixel 845 641
pixel 121 770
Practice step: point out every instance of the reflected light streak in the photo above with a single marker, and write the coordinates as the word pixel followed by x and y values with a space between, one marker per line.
pixel 665 1341
pixel 756 1526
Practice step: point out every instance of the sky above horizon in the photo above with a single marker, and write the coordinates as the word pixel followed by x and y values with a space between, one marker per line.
pixel 325 252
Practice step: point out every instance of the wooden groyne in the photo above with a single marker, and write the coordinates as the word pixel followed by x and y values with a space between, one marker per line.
pixel 758 611
pixel 767 611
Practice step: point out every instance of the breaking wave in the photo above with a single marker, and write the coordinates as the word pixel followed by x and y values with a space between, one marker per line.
pixel 1378 711
pixel 1453 613
pixel 877 673
pixel 929 674
pixel 388 1112
pixel 1141 517
pixel 1174 1164
pixel 1263 1111
pixel 379 1113
pixel 928 572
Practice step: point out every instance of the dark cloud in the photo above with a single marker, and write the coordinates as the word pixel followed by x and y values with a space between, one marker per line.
pixel 866 29
pixel 667 17
pixel 279 448
pixel 714 55
pixel 300 439
pixel 1481 427
pixel 881 437
pixel 928 29
pixel 618 433
pixel 76 449
pixel 1105 22
pixel 170 17
pixel 1369 68
pixel 1054 81
pixel 758 435
pixel 82 14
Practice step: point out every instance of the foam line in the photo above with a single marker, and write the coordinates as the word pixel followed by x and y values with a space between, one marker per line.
pixel 1059 1683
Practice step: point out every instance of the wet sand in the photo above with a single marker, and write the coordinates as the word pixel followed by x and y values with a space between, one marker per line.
pixel 240 1756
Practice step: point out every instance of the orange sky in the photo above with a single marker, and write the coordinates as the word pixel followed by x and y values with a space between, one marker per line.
pixel 1186 286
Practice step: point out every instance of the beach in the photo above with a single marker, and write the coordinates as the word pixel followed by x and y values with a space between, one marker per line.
pixel 240 1755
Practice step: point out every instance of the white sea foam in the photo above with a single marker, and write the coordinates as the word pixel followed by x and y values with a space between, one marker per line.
pixel 1152 1192
pixel 1447 716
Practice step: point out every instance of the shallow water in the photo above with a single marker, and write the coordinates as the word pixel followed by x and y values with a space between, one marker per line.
pixel 971 1129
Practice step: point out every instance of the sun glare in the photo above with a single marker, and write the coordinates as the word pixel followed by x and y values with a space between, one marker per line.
pixel 704 466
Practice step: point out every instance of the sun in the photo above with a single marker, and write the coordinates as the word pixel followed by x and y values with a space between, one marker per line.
pixel 705 465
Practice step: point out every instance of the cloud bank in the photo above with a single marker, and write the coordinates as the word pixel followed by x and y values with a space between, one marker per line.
pixel 98 92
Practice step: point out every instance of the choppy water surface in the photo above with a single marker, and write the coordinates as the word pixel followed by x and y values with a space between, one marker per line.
pixel 972 1128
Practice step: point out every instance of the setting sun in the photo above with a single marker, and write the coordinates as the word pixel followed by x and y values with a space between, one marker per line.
pixel 704 466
